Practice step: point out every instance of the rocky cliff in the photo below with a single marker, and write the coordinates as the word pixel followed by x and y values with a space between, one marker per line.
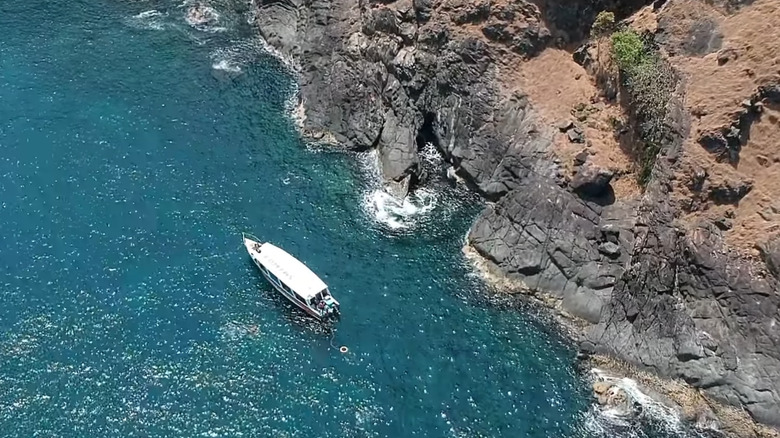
pixel 652 272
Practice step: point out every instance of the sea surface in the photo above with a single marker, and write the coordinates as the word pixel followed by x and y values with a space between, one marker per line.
pixel 135 148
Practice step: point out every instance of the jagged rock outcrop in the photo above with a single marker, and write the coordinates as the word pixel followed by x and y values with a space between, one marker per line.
pixel 770 251
pixel 552 241
pixel 652 292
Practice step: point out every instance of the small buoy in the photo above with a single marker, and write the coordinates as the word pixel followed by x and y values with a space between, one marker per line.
pixel 343 349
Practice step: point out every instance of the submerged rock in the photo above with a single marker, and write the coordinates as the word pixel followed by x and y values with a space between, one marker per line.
pixel 201 15
pixel 615 398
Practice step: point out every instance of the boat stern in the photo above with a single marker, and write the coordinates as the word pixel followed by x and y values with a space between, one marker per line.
pixel 332 307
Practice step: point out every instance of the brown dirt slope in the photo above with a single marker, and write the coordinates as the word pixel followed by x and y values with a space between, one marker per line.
pixel 725 57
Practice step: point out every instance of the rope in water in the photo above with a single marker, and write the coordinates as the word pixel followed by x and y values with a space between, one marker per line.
pixel 343 349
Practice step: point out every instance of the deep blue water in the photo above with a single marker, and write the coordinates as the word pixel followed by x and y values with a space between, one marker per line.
pixel 130 165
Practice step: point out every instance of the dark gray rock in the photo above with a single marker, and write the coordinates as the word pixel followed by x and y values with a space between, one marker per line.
pixel 610 249
pixel 565 125
pixel 693 37
pixel 278 23
pixel 724 224
pixel 726 55
pixel 548 238
pixel 592 180
pixel 770 92
pixel 381 20
pixel 398 150
pixel 770 252
pixel 498 32
pixel 582 56
pixel 584 304
pixel 581 158
pixel 701 308
pixel 671 301
pixel 470 11
pixel 730 192
pixel 422 10
pixel 713 142
pixel 576 135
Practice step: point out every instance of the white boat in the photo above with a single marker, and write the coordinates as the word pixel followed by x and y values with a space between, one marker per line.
pixel 292 278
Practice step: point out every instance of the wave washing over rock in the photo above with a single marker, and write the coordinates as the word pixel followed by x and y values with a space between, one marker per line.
pixel 397 214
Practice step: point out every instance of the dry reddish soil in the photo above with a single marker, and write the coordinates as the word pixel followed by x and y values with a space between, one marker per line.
pixel 557 86
pixel 714 93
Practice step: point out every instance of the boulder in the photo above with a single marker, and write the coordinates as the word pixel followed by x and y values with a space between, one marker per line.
pixel 201 15
pixel 582 56
pixel 611 249
pixel 591 180
pixel 614 398
pixel 565 125
pixel 730 192
pixel 770 92
pixel 576 135
pixel 770 252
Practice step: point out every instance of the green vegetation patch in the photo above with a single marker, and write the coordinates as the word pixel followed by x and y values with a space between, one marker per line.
pixel 650 82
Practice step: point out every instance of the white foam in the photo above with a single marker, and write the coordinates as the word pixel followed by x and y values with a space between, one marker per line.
pixel 662 415
pixel 225 65
pixel 387 210
pixel 395 214
pixel 430 155
pixel 246 51
pixel 151 19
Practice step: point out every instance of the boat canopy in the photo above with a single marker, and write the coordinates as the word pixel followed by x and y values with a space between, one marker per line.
pixel 290 271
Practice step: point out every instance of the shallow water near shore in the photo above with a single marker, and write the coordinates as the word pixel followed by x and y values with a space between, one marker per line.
pixel 135 150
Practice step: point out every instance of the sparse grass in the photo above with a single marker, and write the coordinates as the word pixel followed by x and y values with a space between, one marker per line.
pixel 650 82
pixel 615 123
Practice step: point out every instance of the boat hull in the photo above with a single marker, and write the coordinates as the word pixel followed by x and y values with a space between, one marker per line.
pixel 284 293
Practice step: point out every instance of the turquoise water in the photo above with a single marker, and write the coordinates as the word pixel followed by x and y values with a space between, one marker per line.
pixel 135 150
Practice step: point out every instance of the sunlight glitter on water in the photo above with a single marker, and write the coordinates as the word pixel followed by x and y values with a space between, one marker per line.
pixel 130 308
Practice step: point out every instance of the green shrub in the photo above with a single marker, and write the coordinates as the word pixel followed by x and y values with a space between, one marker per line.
pixel 604 23
pixel 628 49
pixel 650 83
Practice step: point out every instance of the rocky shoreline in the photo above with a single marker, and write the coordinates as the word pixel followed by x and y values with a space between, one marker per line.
pixel 661 293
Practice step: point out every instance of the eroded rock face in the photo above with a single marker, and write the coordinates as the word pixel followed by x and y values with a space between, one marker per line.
pixel 552 241
pixel 375 75
pixel 371 75
pixel 687 308
pixel 770 251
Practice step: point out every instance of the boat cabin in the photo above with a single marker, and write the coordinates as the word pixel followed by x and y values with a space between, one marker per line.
pixel 293 279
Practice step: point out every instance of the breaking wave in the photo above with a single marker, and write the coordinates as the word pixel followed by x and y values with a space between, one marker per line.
pixel 652 418
pixel 397 214
pixel 234 58
pixel 151 19
pixel 384 208
pixel 243 52
pixel 430 156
